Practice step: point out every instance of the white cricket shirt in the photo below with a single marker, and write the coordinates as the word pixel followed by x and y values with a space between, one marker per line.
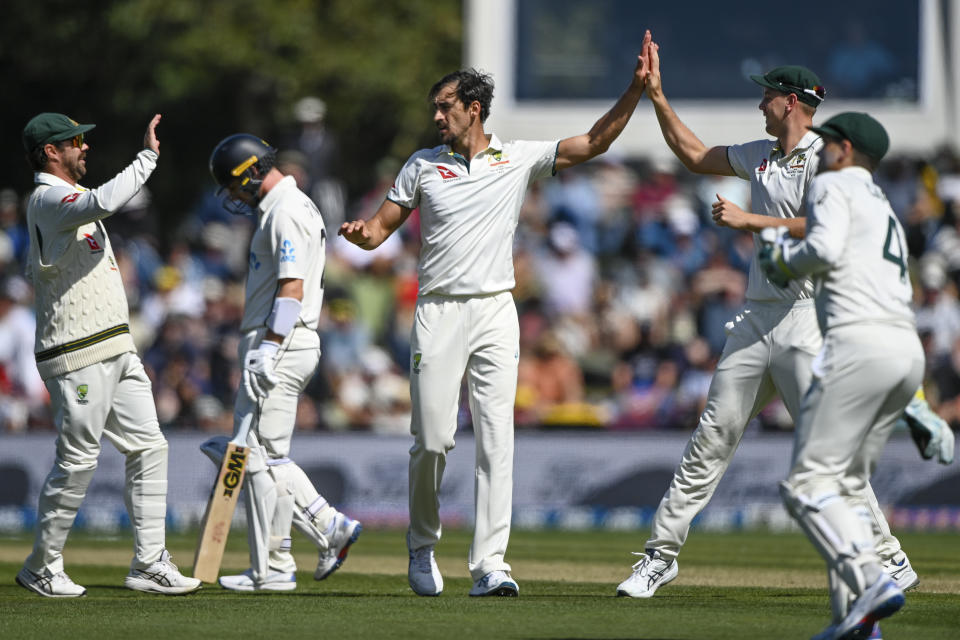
pixel 778 184
pixel 469 212
pixel 857 252
pixel 289 242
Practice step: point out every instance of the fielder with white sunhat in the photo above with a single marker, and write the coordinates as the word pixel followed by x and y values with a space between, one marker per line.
pixel 856 251
pixel 771 343
pixel 86 356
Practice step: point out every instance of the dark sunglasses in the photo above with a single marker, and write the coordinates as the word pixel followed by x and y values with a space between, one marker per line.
pixel 76 141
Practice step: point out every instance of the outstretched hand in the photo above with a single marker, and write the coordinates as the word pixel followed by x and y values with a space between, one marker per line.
pixel 654 87
pixel 150 140
pixel 642 70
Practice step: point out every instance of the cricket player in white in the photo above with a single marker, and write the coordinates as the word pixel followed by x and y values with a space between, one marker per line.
pixel 867 371
pixel 280 350
pixel 469 191
pixel 773 340
pixel 85 355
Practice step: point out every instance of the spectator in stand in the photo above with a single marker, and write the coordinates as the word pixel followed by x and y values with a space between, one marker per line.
pixel 321 150
pixel 12 224
pixel 567 272
pixel 23 396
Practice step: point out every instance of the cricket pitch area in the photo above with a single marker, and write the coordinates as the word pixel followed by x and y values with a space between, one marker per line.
pixel 730 586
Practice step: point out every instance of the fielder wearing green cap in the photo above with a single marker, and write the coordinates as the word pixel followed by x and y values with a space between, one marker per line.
pixel 88 360
pixel 856 251
pixel 51 127
pixel 861 130
pixel 772 344
pixel 796 80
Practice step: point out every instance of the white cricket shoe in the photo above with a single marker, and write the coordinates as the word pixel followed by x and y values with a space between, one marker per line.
pixel 161 577
pixel 495 583
pixel 50 585
pixel 275 581
pixel 345 533
pixel 649 574
pixel 423 572
pixel 881 599
pixel 899 568
pixel 866 631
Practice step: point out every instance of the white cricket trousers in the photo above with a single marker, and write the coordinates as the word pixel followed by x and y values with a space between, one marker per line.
pixel 273 480
pixel 479 335
pixel 111 399
pixel 862 382
pixel 770 349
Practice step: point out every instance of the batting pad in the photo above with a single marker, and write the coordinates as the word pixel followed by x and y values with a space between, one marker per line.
pixel 260 502
pixel 838 534
pixel 280 542
pixel 307 518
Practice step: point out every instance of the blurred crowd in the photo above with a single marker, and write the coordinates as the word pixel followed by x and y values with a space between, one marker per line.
pixel 624 285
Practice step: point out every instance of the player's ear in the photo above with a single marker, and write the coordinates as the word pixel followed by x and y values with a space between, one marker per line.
pixel 52 151
pixel 847 147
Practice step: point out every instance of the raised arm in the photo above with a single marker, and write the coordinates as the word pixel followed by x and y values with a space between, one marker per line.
pixel 694 155
pixel 74 208
pixel 370 234
pixel 573 151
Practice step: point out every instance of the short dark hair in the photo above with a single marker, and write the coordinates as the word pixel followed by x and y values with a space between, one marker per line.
pixel 472 85
pixel 37 157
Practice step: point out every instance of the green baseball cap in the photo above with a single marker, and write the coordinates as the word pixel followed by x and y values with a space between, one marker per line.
pixel 862 130
pixel 794 79
pixel 51 127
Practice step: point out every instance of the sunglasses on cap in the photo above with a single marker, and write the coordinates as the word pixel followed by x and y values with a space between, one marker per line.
pixel 817 91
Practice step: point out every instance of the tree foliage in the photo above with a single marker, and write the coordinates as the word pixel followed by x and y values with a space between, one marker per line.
pixel 215 67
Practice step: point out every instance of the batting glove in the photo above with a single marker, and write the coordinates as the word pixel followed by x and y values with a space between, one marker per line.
pixel 770 256
pixel 258 375
pixel 930 432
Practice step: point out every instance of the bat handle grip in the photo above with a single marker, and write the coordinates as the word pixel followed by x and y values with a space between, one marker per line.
pixel 241 438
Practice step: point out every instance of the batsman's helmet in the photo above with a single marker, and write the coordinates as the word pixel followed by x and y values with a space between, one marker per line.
pixel 241 161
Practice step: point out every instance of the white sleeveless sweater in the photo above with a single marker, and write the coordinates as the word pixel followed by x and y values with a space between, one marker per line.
pixel 82 315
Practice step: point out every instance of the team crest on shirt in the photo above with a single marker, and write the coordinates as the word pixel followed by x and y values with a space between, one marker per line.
pixel 797 164
pixel 82 391
pixel 416 362
pixel 497 159
pixel 254 261
pixel 763 166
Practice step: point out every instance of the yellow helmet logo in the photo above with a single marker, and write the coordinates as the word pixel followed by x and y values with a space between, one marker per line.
pixel 243 166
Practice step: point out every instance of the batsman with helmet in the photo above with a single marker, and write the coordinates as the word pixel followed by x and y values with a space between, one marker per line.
pixel 280 350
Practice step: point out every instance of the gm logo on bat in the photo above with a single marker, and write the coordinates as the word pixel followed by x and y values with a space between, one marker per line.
pixel 234 471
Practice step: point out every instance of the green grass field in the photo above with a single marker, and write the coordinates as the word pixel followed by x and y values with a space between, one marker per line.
pixel 744 585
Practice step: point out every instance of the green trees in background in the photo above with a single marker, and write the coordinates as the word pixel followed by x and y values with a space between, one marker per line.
pixel 219 66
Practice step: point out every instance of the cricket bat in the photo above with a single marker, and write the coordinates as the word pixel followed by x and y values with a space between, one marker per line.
pixel 223 501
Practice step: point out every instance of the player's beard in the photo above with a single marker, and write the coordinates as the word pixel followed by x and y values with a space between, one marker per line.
pixel 75 166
